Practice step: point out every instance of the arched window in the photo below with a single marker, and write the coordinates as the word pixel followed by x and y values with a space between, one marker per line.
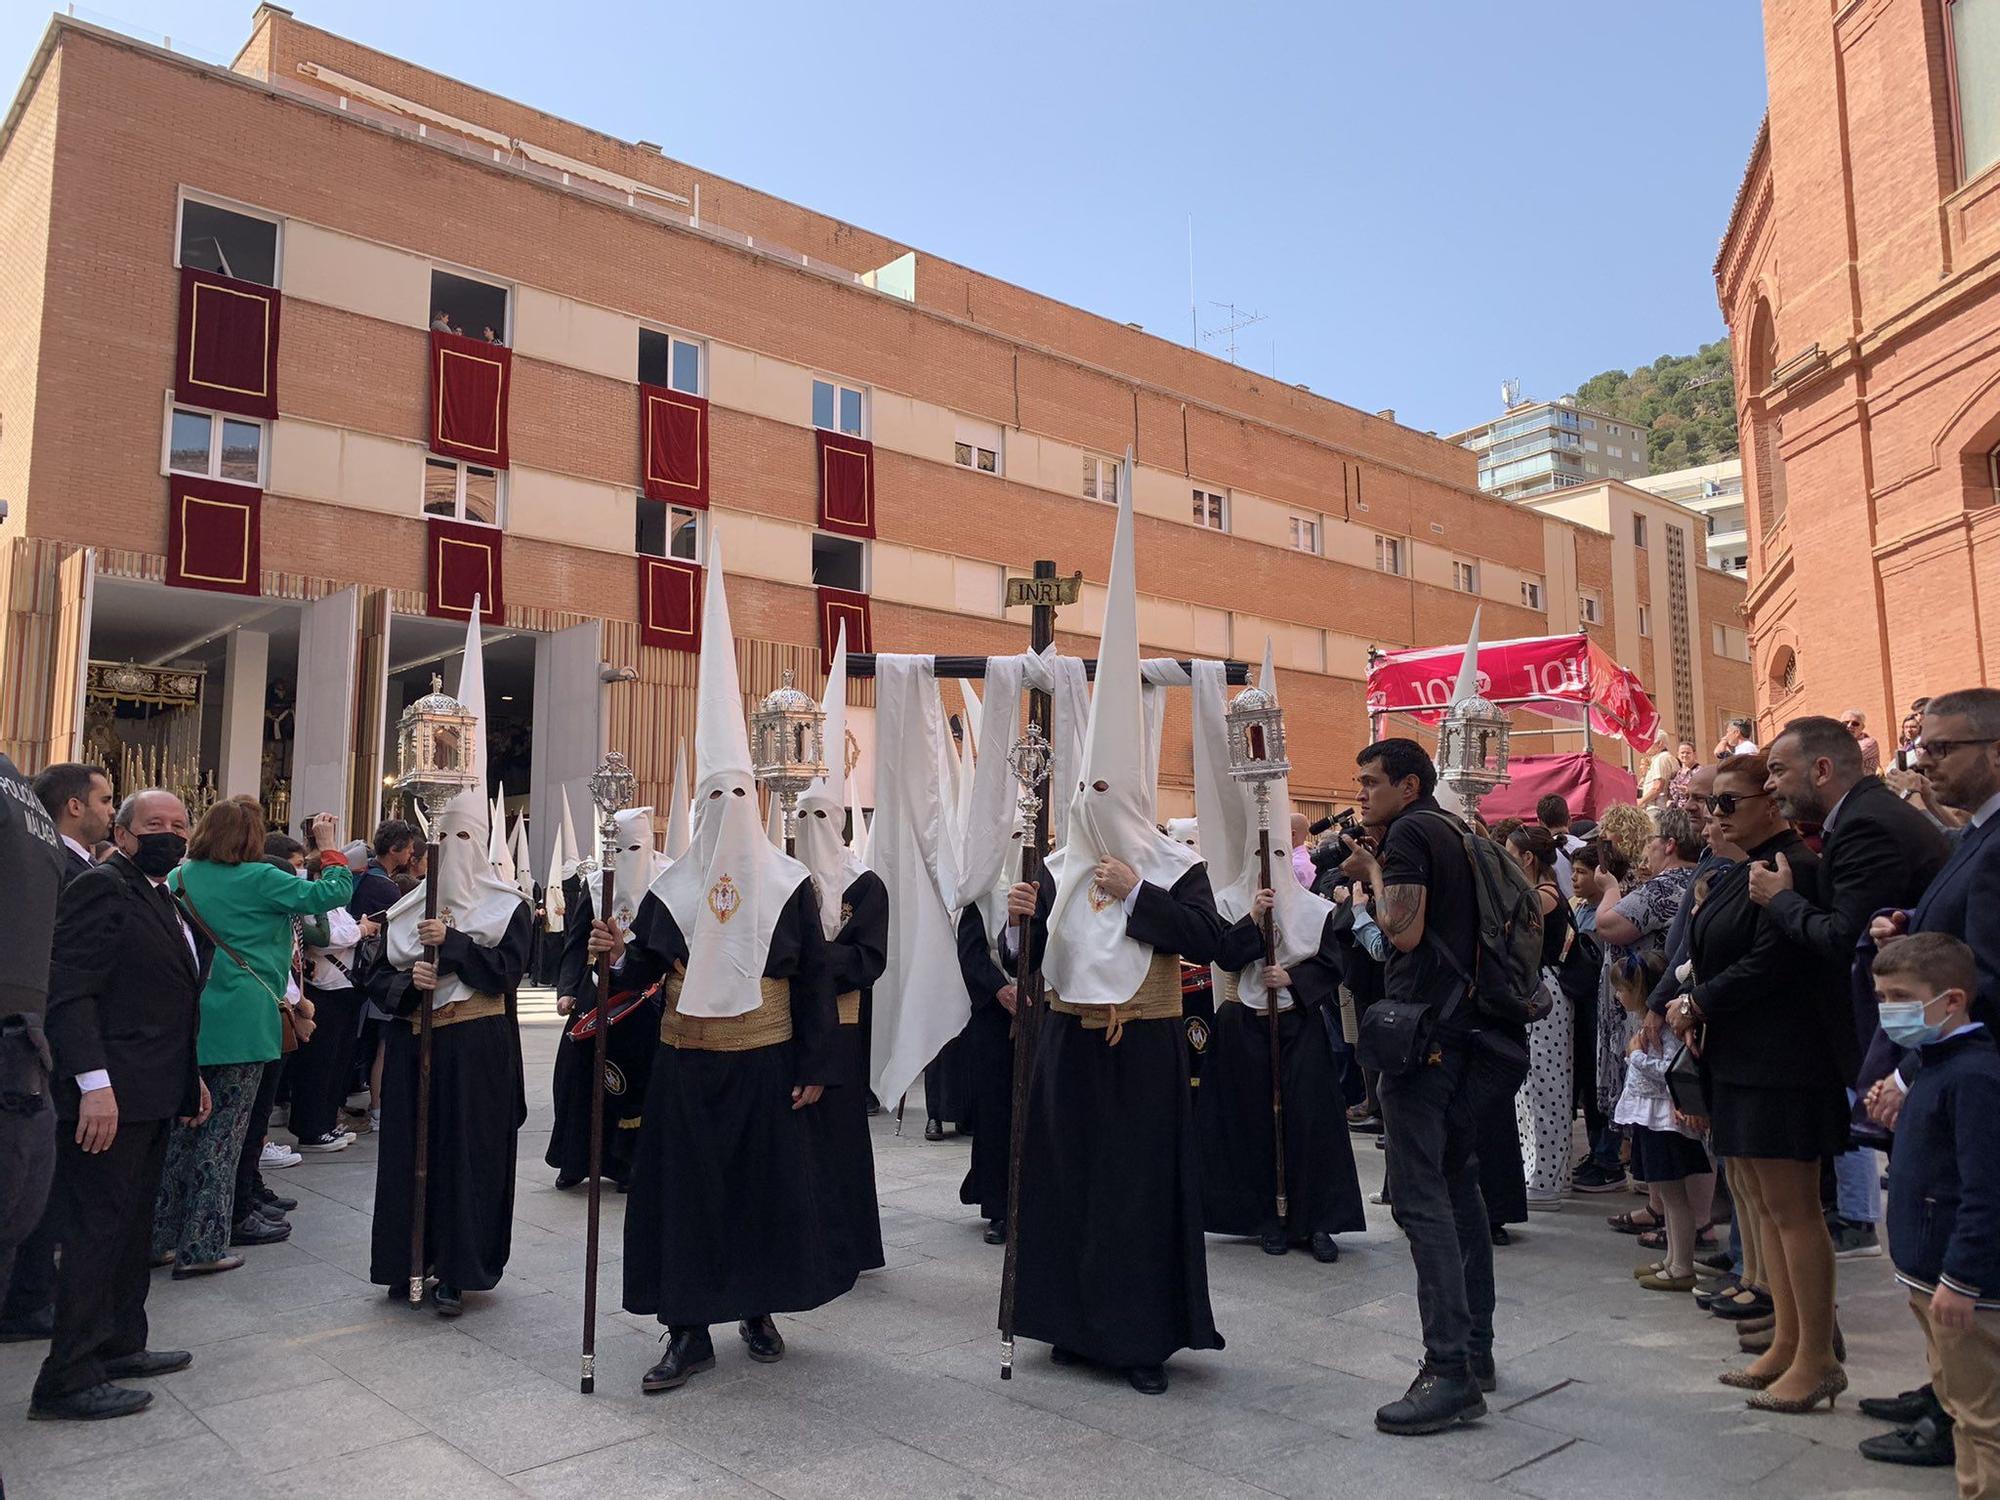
pixel 1766 431
pixel 1784 672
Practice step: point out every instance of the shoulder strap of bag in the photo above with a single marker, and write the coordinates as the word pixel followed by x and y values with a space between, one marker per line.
pixel 234 957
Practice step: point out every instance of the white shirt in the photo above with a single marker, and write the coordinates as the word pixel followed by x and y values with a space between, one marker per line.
pixel 1986 810
pixel 1746 747
pixel 98 1078
pixel 81 853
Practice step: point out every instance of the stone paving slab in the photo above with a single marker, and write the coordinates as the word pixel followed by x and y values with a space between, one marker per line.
pixel 309 1382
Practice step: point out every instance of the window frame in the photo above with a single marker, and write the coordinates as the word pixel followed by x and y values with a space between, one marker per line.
pixel 1646 620
pixel 866 585
pixel 230 205
pixel 1101 471
pixel 1955 102
pixel 1313 530
pixel 216 419
pixel 973 448
pixel 1391 546
pixel 1465 575
pixel 674 336
pixel 671 509
pixel 1535 594
pixel 1639 529
pixel 499 521
pixel 1197 494
pixel 462 273
pixel 1590 606
pixel 838 386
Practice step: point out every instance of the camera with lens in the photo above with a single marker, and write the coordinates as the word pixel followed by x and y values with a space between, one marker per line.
pixel 1345 826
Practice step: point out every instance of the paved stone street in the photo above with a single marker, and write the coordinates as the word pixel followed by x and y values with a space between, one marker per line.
pixel 308 1382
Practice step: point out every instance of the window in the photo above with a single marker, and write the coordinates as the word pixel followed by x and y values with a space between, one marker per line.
pixel 1612 450
pixel 838 408
pixel 228 243
pixel 477 309
pixel 1100 479
pixel 1638 531
pixel 669 360
pixel 1590 445
pixel 1590 604
pixel 462 491
pixel 214 446
pixel 1465 576
pixel 668 531
pixel 1305 534
pixel 1975 55
pixel 840 562
pixel 1211 510
pixel 1389 555
pixel 1531 594
pixel 1589 424
pixel 1645 619
pixel 977 445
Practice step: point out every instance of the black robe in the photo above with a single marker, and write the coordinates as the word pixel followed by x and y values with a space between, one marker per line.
pixel 729 1215
pixel 1110 1258
pixel 478 1104
pixel 986 1055
pixel 855 959
pixel 628 1061
pixel 1233 1105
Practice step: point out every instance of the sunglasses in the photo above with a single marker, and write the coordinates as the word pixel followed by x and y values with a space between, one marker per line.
pixel 1935 749
pixel 1726 803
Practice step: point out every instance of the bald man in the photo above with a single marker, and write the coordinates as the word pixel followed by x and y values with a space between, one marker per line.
pixel 1302 864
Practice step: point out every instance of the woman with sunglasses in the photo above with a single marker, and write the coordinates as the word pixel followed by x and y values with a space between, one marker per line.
pixel 1761 1011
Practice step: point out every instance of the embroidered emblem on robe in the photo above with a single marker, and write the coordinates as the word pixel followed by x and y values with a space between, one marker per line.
pixel 724 899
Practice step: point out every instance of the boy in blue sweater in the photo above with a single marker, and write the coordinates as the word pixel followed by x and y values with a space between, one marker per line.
pixel 1944 1189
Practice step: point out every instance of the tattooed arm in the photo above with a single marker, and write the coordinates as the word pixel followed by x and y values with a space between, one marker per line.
pixel 1398 909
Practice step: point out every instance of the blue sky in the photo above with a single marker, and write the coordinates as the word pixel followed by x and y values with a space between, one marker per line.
pixel 1421 198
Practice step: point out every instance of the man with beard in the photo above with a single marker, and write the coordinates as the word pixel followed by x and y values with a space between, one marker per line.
pixel 727 1218
pixel 1110 1263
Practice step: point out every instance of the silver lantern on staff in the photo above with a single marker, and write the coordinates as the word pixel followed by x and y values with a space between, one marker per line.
pixel 436 749
pixel 1472 749
pixel 1255 726
pixel 787 746
pixel 612 787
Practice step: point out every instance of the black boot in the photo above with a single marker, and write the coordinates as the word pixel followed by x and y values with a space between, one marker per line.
pixel 689 1352
pixel 1432 1403
pixel 767 1345
pixel 1274 1242
pixel 1926 1444
pixel 996 1232
pixel 1325 1249
pixel 933 1130
pixel 1148 1380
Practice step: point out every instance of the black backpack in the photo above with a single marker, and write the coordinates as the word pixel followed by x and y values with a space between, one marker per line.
pixel 1506 978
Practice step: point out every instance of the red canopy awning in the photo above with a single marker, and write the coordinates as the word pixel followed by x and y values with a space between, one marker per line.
pixel 1564 676
pixel 1588 783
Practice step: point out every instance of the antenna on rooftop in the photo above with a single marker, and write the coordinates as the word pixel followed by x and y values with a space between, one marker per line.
pixel 1239 319
pixel 1510 392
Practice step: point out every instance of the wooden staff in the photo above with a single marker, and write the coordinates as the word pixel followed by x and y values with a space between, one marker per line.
pixel 598 1045
pixel 420 1189
pixel 1271 1001
pixel 1027 982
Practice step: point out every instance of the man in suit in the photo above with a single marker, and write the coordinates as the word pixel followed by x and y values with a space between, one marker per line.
pixel 124 1005
pixel 1878 852
pixel 78 801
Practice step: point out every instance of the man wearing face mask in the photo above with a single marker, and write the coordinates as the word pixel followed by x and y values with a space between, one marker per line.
pixel 124 1007
pixel 481 936
pixel 729 1217
pixel 635 1017
pixel 1111 1266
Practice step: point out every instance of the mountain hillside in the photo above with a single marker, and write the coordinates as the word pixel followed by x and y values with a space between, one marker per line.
pixel 1686 403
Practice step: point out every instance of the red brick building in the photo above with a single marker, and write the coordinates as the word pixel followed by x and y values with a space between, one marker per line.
pixel 253 488
pixel 1858 279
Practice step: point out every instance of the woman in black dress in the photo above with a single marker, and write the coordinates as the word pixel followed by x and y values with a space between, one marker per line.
pixel 1769 1020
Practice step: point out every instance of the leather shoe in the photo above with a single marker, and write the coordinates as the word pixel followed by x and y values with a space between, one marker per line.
pixel 1148 1380
pixel 1325 1249
pixel 259 1231
pixel 448 1300
pixel 39 1324
pixel 567 1180
pixel 269 1200
pixel 1274 1242
pixel 1483 1371
pixel 1903 1409
pixel 1733 1311
pixel 996 1232
pixel 146 1363
pixel 689 1352
pixel 92 1405
pixel 1927 1444
pixel 933 1130
pixel 767 1345
pixel 208 1267
pixel 1432 1403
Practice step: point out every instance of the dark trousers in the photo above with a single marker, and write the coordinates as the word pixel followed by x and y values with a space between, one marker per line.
pixel 1583 1016
pixel 1431 1117
pixel 104 1203
pixel 319 1069
pixel 32 1287
pixel 248 1178
pixel 27 1158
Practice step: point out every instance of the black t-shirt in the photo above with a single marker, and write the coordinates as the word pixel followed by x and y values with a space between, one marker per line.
pixel 31 873
pixel 1426 849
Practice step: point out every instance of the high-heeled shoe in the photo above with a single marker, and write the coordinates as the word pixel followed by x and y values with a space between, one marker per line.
pixel 1745 1380
pixel 1828 1390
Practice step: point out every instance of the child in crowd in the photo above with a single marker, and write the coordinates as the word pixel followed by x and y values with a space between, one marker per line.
pixel 1667 1152
pixel 1944 1191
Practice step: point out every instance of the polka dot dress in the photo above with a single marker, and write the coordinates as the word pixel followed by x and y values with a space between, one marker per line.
pixel 1545 1106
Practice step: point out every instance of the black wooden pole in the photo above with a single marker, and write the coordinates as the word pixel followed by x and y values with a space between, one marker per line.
pixel 598 1044
pixel 421 1184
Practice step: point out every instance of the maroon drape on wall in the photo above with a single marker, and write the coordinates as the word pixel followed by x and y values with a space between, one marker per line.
pixel 1588 783
pixel 839 607
pixel 213 535
pixel 673 430
pixel 846 485
pixel 469 381
pixel 463 563
pixel 226 356
pixel 669 604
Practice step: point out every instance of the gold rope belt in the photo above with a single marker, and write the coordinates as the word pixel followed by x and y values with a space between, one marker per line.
pixel 849 1006
pixel 766 1026
pixel 1228 993
pixel 1158 998
pixel 478 1008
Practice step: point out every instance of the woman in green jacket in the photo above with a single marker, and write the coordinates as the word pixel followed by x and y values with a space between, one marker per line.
pixel 246 906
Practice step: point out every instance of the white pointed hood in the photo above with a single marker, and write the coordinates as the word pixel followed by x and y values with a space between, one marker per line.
pixel 728 891
pixel 1298 917
pixel 1185 831
pixel 1468 666
pixel 860 824
pixel 472 897
pixel 635 863
pixel 524 864
pixel 680 816
pixel 554 908
pixel 819 842
pixel 497 851
pixel 572 847
pixel 1090 960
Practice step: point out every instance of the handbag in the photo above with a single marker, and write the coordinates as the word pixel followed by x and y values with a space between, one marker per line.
pixel 1685 1084
pixel 1395 1036
pixel 288 1034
